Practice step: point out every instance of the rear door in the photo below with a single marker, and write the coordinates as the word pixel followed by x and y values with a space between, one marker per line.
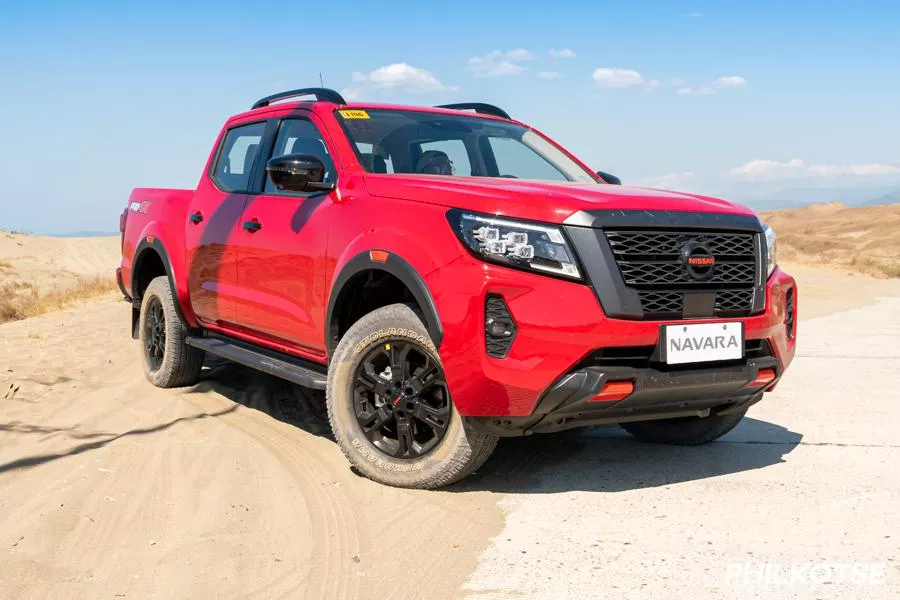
pixel 282 265
pixel 214 221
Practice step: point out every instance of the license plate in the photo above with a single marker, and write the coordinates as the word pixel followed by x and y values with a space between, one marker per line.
pixel 701 342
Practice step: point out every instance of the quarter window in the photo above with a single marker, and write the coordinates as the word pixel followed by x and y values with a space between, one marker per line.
pixel 240 148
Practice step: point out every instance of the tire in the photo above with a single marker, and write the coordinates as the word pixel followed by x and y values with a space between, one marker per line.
pixel 168 360
pixel 455 453
pixel 688 431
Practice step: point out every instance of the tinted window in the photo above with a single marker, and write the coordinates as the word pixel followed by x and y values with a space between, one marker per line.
pixel 299 136
pixel 454 150
pixel 515 159
pixel 449 144
pixel 239 151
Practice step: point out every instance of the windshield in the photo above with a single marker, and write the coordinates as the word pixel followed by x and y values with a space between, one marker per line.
pixel 406 141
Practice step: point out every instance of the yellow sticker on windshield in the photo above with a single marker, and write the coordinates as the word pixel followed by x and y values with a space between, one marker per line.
pixel 354 114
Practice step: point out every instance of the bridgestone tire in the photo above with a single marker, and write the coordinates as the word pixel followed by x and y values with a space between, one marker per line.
pixel 689 431
pixel 180 364
pixel 461 450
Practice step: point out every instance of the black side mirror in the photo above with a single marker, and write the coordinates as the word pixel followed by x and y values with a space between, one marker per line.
pixel 609 178
pixel 298 173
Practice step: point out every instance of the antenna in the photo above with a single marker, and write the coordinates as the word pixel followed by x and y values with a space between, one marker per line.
pixel 321 81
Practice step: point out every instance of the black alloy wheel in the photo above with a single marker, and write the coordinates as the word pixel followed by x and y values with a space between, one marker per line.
pixel 155 334
pixel 401 399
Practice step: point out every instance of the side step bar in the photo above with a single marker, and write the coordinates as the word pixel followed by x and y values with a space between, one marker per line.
pixel 267 361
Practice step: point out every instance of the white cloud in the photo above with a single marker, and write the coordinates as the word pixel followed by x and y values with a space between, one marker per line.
pixel 700 91
pixel 499 63
pixel 673 82
pixel 724 82
pixel 727 81
pixel 549 74
pixel 564 53
pixel 519 54
pixel 617 79
pixel 771 170
pixel 669 180
pixel 696 15
pixel 401 77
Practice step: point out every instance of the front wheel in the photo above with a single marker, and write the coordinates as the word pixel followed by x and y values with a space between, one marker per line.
pixel 390 409
pixel 687 431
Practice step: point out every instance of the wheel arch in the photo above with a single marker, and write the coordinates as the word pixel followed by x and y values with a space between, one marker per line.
pixel 395 266
pixel 148 254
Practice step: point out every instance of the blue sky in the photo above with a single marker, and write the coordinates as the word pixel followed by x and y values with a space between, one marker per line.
pixel 719 97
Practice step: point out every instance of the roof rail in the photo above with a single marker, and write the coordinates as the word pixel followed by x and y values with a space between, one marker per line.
pixel 323 94
pixel 479 107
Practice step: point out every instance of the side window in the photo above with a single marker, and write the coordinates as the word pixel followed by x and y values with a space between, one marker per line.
pixel 239 151
pixel 455 150
pixel 515 159
pixel 300 136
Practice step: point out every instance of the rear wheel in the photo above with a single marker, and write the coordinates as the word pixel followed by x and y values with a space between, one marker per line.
pixel 390 409
pixel 168 360
pixel 688 431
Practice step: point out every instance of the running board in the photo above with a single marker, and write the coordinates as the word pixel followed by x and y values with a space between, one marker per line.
pixel 273 363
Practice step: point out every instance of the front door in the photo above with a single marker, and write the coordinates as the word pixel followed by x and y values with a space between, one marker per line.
pixel 213 222
pixel 282 246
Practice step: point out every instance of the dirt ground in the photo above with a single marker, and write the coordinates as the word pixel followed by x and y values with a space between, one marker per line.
pixel 111 488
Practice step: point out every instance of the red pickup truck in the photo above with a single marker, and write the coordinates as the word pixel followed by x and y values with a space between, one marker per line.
pixel 449 276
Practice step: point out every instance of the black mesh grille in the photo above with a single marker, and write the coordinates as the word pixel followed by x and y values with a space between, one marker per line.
pixel 650 243
pixel 733 300
pixel 495 311
pixel 661 303
pixel 652 263
pixel 655 273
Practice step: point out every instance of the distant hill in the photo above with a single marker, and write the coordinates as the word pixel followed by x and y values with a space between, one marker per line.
pixel 763 199
pixel 85 234
pixel 891 198
pixel 861 238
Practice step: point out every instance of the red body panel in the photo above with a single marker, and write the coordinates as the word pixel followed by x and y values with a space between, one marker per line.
pixel 272 287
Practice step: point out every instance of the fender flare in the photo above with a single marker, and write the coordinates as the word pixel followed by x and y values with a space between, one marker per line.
pixel 140 253
pixel 402 270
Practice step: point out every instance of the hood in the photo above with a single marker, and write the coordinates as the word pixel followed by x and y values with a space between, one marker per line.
pixel 538 200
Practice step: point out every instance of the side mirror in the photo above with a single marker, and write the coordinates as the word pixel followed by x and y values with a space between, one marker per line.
pixel 609 178
pixel 298 173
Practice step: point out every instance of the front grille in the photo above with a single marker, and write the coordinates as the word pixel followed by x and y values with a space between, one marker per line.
pixel 653 263
pixel 662 302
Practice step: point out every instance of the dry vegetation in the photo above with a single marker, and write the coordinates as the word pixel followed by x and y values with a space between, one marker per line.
pixel 41 274
pixel 21 299
pixel 863 239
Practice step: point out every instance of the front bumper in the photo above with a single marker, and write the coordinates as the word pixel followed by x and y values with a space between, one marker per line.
pixel 560 324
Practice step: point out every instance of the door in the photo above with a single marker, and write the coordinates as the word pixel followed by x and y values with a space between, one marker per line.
pixel 213 222
pixel 281 272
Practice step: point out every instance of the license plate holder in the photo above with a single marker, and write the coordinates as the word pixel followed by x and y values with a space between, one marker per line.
pixel 689 343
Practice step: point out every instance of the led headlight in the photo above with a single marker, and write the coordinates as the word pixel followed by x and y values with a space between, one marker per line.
pixel 518 244
pixel 771 249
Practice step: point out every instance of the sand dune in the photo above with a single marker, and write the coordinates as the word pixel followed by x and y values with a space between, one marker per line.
pixel 864 239
pixel 39 274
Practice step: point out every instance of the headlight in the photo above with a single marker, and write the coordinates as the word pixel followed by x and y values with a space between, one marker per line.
pixel 517 244
pixel 770 249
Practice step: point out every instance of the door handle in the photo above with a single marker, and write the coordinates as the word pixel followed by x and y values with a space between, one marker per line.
pixel 196 217
pixel 253 225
